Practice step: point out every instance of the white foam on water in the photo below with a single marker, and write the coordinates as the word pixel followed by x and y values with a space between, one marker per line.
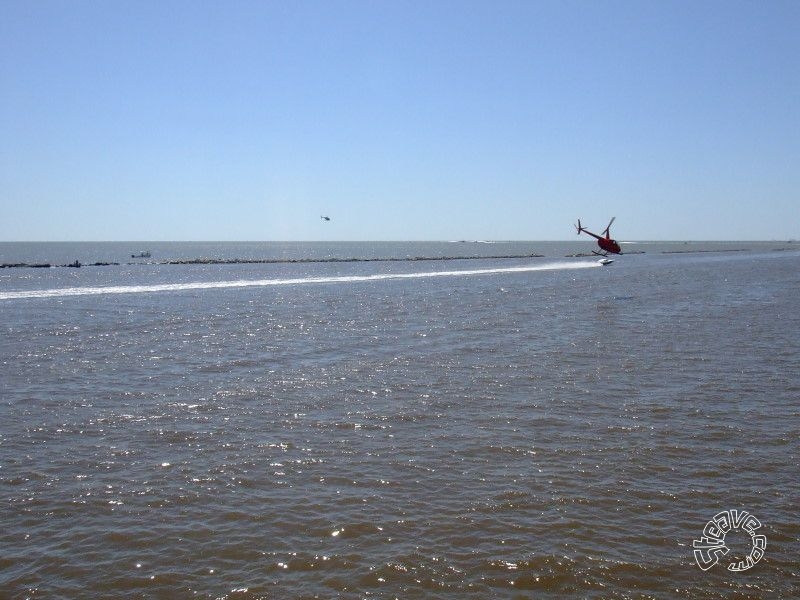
pixel 241 283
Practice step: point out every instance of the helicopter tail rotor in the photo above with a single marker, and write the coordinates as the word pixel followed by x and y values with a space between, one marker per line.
pixel 605 231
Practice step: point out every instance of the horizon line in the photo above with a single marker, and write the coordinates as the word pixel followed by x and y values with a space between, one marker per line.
pixel 408 241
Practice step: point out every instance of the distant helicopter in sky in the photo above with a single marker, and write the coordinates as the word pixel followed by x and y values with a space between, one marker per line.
pixel 324 218
pixel 607 245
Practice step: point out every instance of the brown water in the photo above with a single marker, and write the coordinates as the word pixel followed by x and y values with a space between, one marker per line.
pixel 523 429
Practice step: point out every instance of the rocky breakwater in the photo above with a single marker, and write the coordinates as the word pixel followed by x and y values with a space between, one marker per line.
pixel 247 261
pixel 75 264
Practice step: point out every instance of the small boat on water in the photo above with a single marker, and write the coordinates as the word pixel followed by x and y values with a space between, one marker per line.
pixel 142 254
pixel 605 261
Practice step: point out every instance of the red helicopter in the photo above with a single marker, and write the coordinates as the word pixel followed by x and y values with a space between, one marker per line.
pixel 604 241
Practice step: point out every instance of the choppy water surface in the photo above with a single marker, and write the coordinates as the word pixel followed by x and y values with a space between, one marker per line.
pixel 453 429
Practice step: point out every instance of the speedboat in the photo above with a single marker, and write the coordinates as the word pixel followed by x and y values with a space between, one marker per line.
pixel 605 261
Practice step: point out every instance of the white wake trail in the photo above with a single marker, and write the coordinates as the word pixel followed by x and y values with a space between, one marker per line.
pixel 241 283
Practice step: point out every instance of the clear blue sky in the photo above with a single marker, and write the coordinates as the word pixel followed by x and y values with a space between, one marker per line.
pixel 150 120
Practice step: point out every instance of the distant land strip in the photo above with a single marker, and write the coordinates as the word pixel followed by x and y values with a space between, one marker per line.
pixel 710 250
